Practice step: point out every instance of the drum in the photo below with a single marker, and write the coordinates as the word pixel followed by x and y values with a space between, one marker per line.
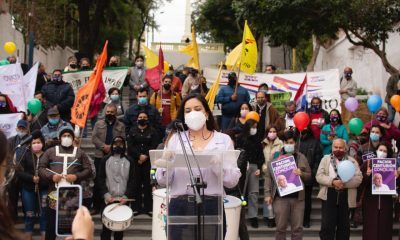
pixel 52 199
pixel 232 206
pixel 117 218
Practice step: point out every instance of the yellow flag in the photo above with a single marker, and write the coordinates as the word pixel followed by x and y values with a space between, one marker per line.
pixel 248 60
pixel 193 51
pixel 233 59
pixel 152 59
pixel 210 97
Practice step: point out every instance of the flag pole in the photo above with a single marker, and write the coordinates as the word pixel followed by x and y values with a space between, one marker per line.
pixel 160 68
pixel 241 52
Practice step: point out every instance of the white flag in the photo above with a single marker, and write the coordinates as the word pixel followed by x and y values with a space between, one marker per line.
pixel 8 123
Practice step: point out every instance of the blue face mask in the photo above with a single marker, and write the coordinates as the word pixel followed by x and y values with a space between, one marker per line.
pixel 142 101
pixel 289 148
pixel 114 98
pixel 374 137
pixel 54 121
pixel 3 104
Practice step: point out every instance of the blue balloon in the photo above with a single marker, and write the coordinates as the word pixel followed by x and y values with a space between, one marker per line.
pixel 374 103
pixel 346 170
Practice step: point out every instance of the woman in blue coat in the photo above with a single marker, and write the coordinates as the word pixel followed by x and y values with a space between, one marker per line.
pixel 332 130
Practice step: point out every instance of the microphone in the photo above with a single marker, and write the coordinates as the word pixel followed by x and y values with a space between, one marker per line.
pixel 178 125
pixel 35 134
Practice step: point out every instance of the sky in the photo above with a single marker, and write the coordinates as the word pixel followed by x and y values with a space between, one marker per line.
pixel 171 20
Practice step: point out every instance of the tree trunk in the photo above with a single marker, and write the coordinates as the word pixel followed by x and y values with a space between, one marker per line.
pixel 145 19
pixel 84 28
pixel 261 52
pixel 311 64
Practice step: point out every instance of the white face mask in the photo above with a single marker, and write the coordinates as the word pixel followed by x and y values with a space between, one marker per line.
pixel 195 120
pixel 381 154
pixel 253 131
pixel 66 142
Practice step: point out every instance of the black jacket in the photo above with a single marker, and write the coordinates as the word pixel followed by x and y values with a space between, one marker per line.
pixel 132 114
pixel 253 150
pixel 26 171
pixel 41 80
pixel 141 142
pixel 312 150
pixel 62 95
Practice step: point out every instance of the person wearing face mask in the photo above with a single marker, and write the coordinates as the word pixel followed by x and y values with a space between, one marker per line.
pixel 200 128
pixel 176 85
pixel 6 105
pixel 375 134
pixel 103 133
pixel 248 142
pixel 41 78
pixel 115 98
pixel 333 128
pixel 268 114
pixel 137 79
pixel 289 208
pixel 84 64
pixel 237 123
pixel 337 196
pixel 391 131
pixel 51 129
pixel 191 83
pixel 348 88
pixel 51 167
pixel 318 117
pixel 132 113
pixel 272 145
pixel 37 121
pixel 231 97
pixel 114 61
pixel 166 101
pixel 34 189
pixel 72 65
pixel 115 178
pixel 59 93
pixel 290 111
pixel 270 69
pixel 377 210
pixel 141 139
pixel 14 187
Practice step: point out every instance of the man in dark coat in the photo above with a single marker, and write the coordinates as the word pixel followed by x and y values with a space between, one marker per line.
pixel 59 93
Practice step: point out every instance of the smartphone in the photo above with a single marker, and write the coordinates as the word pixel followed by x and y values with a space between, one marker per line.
pixel 69 199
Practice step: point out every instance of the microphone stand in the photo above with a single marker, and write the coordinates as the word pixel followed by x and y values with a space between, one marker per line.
pixel 195 183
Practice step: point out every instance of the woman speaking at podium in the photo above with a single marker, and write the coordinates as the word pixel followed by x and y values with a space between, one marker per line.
pixel 199 126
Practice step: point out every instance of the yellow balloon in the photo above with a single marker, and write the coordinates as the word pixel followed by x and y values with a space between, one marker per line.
pixel 10 47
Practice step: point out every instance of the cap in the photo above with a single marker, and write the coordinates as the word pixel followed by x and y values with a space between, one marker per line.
pixel 53 111
pixel 65 129
pixel 232 75
pixel 22 123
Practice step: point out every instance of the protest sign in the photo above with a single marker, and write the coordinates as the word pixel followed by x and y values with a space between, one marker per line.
pixel 286 181
pixel 112 77
pixel 368 156
pixel 324 84
pixel 8 123
pixel 278 100
pixel 383 176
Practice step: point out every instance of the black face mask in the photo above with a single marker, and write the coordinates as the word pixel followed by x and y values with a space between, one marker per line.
pixel 85 68
pixel 167 87
pixel 118 150
pixel 73 66
pixel 232 82
pixel 113 64
pixel 110 117
pixel 142 122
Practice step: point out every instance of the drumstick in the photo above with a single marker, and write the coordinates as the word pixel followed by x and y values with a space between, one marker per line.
pixel 72 163
pixel 52 171
pixel 119 204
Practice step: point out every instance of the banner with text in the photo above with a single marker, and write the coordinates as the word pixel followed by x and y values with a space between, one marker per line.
pixel 286 181
pixel 8 123
pixel 384 176
pixel 324 84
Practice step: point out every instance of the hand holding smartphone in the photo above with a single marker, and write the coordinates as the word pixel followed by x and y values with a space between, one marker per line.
pixel 69 200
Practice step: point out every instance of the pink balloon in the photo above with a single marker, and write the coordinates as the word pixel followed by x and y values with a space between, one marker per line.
pixel 351 104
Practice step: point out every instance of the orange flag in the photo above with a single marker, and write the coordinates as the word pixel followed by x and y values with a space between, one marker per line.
pixel 83 98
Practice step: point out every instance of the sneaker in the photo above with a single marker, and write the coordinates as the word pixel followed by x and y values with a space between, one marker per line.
pixel 271 223
pixel 254 222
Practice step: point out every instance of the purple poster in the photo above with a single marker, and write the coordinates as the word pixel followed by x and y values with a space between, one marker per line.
pixel 383 176
pixel 286 181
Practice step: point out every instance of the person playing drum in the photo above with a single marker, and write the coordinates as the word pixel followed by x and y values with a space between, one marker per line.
pixel 114 178
pixel 62 164
pixel 198 118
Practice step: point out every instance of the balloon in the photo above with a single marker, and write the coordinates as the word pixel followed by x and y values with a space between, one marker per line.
pixel 34 106
pixel 253 115
pixel 346 170
pixel 301 120
pixel 395 101
pixel 10 47
pixel 374 103
pixel 351 104
pixel 355 126
pixel 4 62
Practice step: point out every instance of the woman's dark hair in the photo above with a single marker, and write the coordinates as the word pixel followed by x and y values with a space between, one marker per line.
pixel 210 123
pixel 328 120
pixel 41 138
pixel 268 128
pixel 121 139
pixel 111 90
pixel 139 56
pixel 244 103
pixel 290 134
pixel 389 149
pixel 316 98
pixel 383 132
pixel 246 129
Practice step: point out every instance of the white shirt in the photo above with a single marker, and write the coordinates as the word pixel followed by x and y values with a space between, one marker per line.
pixel 382 188
pixel 289 187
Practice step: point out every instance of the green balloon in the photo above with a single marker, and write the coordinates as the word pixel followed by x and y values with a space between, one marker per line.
pixel 34 106
pixel 355 126
pixel 4 62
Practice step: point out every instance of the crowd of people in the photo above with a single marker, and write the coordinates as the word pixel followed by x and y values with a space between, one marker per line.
pixel 123 135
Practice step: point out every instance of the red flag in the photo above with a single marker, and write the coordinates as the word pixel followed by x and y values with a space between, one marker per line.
pixel 154 75
pixel 301 96
pixel 83 98
pixel 97 100
pixel 160 61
